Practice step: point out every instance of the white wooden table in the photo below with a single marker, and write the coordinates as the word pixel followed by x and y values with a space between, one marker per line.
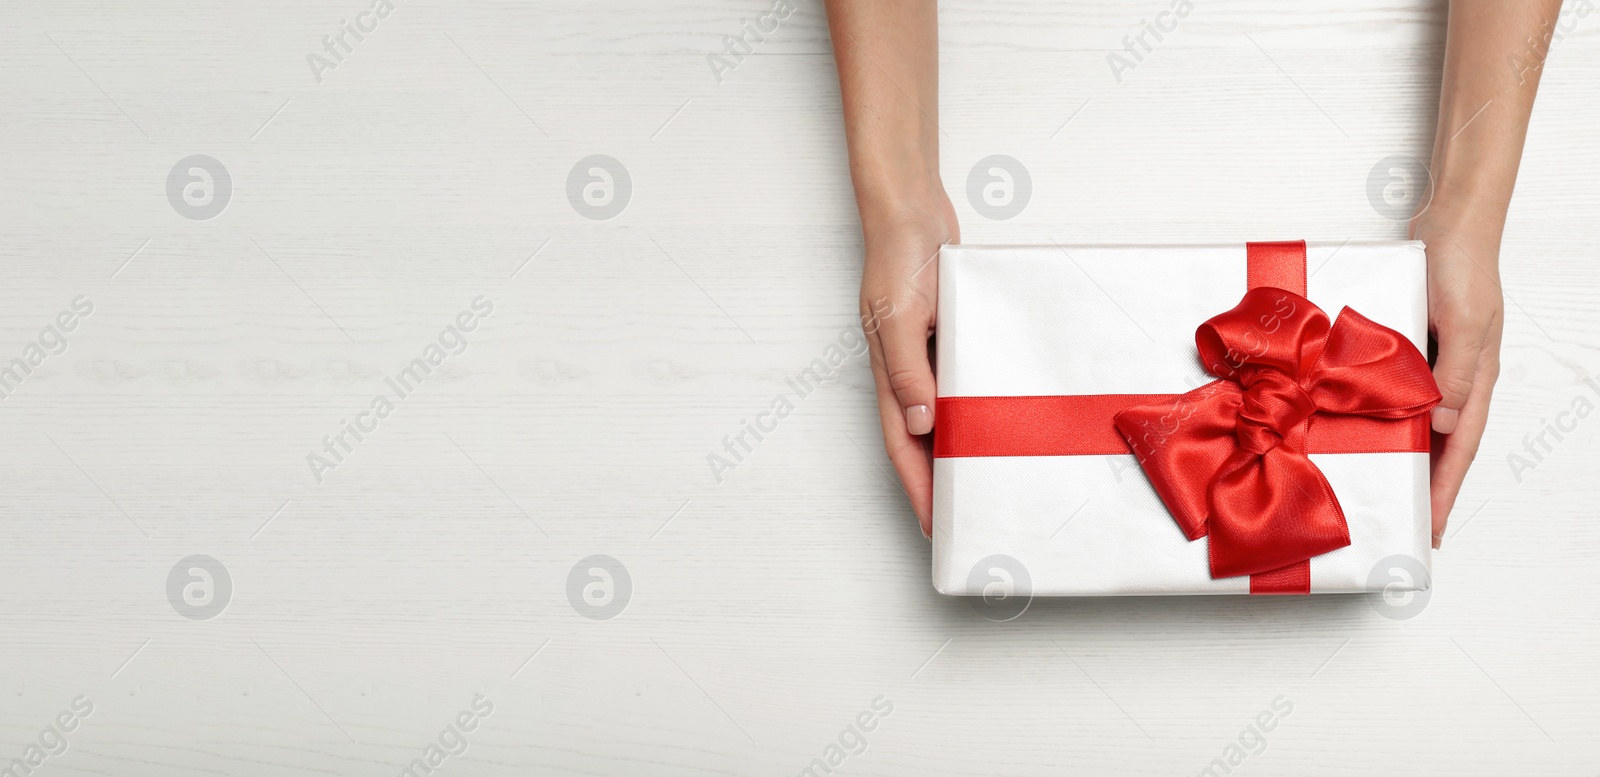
pixel 430 567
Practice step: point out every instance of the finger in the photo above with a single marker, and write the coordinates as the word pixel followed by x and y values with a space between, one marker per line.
pixel 1459 448
pixel 1454 371
pixel 910 375
pixel 911 460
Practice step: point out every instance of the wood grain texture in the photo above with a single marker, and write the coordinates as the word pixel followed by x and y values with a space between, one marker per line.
pixel 767 610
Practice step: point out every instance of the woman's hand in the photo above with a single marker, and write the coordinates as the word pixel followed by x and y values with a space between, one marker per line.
pixel 887 52
pixel 1484 107
pixel 1466 314
pixel 899 300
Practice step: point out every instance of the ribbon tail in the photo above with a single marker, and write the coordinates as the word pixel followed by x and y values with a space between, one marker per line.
pixel 1174 440
pixel 1270 511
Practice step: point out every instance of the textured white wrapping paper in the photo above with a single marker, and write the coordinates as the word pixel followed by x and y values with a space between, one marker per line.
pixel 1056 320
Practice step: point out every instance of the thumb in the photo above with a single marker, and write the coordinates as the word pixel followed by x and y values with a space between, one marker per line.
pixel 910 374
pixel 1454 371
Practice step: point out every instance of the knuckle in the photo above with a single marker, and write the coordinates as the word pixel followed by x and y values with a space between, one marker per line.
pixel 905 379
pixel 1455 381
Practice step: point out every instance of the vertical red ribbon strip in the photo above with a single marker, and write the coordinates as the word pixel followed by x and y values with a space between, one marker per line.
pixel 1280 265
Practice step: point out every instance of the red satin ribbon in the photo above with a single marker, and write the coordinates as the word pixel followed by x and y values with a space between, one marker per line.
pixel 1229 459
pixel 1080 425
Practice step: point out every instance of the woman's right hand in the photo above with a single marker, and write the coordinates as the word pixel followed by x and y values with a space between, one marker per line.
pixel 899 302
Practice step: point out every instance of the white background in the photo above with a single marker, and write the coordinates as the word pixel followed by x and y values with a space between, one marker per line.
pixel 769 609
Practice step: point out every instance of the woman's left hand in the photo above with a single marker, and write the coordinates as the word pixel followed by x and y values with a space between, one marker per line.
pixel 1466 315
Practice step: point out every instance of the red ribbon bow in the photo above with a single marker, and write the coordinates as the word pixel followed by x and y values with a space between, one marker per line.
pixel 1229 458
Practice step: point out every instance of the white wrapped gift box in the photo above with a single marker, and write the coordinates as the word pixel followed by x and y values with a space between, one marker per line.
pixel 1053 320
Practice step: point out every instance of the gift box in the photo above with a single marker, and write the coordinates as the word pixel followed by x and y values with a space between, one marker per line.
pixel 1205 419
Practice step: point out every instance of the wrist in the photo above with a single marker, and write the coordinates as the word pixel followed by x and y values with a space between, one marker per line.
pixel 1462 210
pixel 910 207
pixel 1472 177
pixel 1475 200
pixel 1459 218
pixel 891 184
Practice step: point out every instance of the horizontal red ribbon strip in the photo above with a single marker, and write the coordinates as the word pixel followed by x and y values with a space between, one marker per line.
pixel 1080 425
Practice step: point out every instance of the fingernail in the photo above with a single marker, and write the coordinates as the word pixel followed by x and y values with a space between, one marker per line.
pixel 1444 419
pixel 919 419
pixel 927 535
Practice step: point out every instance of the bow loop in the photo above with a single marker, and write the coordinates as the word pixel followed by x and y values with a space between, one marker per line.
pixel 1227 458
pixel 1269 329
pixel 1369 369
